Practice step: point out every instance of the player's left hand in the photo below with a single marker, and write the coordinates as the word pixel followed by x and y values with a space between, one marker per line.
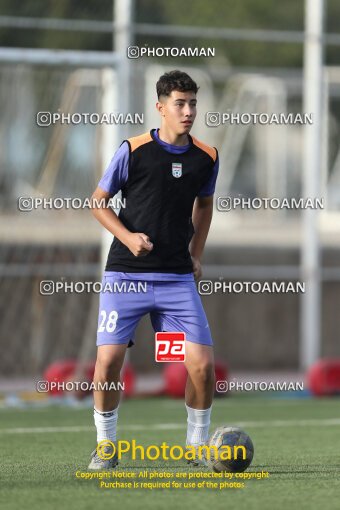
pixel 196 264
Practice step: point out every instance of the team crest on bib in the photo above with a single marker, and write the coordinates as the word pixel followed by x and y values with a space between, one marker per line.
pixel 177 169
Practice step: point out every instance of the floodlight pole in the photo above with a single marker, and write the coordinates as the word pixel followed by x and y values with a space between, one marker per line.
pixel 116 94
pixel 310 345
pixel 123 38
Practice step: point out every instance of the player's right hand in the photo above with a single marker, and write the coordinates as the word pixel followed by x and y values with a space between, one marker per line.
pixel 139 244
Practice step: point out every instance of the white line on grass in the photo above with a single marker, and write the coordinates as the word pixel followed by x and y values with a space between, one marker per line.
pixel 178 426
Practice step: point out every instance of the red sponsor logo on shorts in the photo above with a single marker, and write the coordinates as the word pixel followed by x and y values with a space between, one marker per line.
pixel 170 346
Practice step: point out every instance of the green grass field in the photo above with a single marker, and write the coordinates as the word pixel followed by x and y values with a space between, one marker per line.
pixel 296 441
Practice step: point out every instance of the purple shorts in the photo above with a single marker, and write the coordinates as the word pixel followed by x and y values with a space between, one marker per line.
pixel 172 305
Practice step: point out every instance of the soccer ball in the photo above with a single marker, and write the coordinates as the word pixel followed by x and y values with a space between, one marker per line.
pixel 233 450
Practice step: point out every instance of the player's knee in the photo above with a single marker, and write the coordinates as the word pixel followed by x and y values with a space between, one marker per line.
pixel 204 372
pixel 109 366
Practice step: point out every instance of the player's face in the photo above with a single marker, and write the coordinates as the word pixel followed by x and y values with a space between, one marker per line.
pixel 179 111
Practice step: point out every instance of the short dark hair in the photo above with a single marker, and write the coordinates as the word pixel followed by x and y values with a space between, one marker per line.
pixel 175 80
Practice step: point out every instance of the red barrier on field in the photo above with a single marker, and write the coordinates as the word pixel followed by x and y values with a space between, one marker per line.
pixel 129 380
pixel 324 377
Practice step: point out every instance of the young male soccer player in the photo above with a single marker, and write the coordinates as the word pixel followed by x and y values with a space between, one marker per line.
pixel 168 179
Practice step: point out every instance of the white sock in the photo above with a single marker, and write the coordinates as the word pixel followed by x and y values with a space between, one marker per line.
pixel 106 424
pixel 198 426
